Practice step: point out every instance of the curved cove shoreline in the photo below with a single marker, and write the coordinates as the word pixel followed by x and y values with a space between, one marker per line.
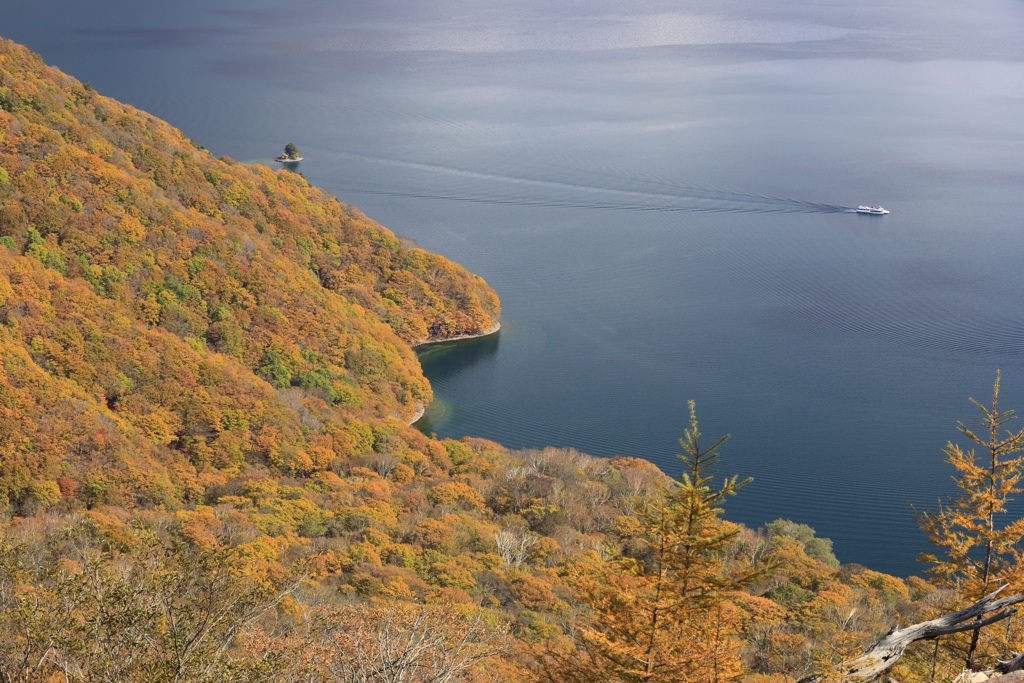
pixel 493 329
pixel 421 408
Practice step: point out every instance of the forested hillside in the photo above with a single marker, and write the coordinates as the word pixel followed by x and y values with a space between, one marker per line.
pixel 207 472
pixel 169 317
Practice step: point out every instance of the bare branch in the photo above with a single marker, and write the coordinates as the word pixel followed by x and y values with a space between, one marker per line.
pixel 879 659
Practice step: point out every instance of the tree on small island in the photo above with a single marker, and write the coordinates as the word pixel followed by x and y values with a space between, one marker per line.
pixel 291 153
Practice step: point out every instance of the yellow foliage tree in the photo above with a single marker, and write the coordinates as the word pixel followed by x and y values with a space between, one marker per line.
pixel 981 547
pixel 661 613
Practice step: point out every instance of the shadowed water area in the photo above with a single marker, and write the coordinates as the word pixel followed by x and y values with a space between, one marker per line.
pixel 662 197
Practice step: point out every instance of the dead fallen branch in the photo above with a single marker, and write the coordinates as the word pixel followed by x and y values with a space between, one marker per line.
pixel 879 659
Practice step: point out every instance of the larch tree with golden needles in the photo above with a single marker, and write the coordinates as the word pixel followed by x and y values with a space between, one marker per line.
pixel 981 545
pixel 660 609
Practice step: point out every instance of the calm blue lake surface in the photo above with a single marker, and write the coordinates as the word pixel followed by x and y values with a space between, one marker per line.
pixel 659 197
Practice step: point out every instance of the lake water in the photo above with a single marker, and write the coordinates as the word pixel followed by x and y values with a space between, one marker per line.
pixel 658 196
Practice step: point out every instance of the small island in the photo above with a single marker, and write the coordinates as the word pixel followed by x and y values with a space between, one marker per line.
pixel 291 154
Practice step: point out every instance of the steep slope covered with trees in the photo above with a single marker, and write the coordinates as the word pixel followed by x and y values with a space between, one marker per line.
pixel 159 305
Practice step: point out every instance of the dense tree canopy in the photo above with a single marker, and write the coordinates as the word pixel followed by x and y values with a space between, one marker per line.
pixel 167 318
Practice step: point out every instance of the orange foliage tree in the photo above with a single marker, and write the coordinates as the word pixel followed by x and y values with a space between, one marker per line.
pixel 981 546
pixel 661 611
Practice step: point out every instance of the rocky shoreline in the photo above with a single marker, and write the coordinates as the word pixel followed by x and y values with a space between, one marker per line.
pixel 421 410
pixel 476 335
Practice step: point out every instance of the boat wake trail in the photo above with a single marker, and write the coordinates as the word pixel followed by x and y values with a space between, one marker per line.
pixel 606 190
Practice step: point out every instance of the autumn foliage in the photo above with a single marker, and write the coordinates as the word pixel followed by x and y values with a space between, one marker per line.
pixel 167 317
pixel 207 472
